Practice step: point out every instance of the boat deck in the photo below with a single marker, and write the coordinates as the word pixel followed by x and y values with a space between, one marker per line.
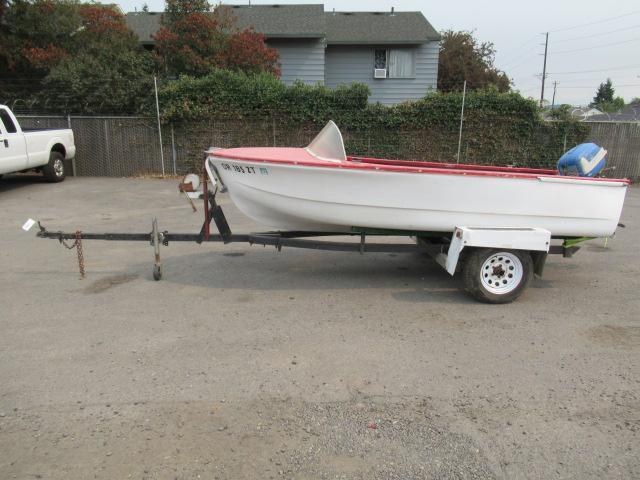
pixel 302 157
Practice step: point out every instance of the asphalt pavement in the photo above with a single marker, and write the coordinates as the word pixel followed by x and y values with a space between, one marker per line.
pixel 248 363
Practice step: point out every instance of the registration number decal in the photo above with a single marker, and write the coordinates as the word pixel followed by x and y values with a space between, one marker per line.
pixel 243 169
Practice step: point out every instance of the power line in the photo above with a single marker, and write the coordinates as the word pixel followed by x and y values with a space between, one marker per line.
pixel 530 81
pixel 628 67
pixel 595 87
pixel 529 90
pixel 515 54
pixel 522 45
pixel 524 62
pixel 517 59
pixel 594 23
pixel 597 46
pixel 562 40
pixel 580 82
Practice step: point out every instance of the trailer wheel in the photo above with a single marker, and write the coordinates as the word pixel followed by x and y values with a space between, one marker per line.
pixel 497 276
pixel 54 170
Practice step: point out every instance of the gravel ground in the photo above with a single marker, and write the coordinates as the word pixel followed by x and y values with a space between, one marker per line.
pixel 248 363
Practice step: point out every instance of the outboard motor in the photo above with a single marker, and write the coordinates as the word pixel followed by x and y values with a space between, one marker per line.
pixel 584 160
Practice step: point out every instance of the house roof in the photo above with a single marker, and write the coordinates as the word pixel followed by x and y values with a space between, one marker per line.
pixel 282 21
pixel 628 114
pixel 144 24
pixel 378 27
pixel 311 21
pixel 613 117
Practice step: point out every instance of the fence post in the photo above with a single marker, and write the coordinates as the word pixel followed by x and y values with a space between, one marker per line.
pixel 106 142
pixel 155 85
pixel 73 160
pixel 464 93
pixel 273 130
pixel 173 150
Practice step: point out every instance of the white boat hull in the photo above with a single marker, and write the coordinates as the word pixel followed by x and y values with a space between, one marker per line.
pixel 309 198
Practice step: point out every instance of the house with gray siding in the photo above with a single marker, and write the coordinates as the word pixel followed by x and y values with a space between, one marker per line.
pixel 394 53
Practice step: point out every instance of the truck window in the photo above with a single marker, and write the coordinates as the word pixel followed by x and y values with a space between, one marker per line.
pixel 9 126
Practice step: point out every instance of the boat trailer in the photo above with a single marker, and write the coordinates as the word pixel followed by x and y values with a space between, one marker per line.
pixel 445 248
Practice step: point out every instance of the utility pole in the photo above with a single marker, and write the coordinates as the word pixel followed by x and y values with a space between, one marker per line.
pixel 544 68
pixel 555 86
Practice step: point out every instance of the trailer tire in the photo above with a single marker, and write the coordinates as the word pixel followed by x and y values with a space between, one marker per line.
pixel 54 170
pixel 497 275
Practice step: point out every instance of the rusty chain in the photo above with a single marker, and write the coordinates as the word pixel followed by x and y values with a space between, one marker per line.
pixel 77 244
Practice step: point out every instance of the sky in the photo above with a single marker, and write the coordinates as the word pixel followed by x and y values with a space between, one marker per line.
pixel 589 40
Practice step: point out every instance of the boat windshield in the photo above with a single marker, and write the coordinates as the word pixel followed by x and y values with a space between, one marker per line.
pixel 328 144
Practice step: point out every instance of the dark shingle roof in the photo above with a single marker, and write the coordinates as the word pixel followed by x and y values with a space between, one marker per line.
pixel 311 21
pixel 144 24
pixel 378 27
pixel 282 20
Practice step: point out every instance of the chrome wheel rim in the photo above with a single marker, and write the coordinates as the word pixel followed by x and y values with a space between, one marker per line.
pixel 58 167
pixel 501 273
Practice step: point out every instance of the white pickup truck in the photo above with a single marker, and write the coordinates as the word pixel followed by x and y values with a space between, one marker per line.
pixel 33 149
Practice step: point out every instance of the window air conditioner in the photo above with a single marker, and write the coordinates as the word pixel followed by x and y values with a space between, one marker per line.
pixel 379 73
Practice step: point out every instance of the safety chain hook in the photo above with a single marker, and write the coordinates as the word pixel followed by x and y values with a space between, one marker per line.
pixel 77 244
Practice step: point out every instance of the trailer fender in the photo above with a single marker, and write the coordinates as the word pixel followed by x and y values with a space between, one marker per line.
pixel 534 240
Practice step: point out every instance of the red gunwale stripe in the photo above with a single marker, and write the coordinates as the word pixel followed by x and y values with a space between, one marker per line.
pixel 453 166
pixel 462 169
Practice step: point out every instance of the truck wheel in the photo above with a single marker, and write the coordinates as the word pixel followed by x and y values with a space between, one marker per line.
pixel 497 276
pixel 54 170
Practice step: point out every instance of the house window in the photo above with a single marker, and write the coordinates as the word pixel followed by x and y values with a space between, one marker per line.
pixel 399 62
pixel 380 59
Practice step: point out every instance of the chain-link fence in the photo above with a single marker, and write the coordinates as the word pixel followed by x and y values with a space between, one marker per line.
pixel 109 146
pixel 130 146
pixel 622 140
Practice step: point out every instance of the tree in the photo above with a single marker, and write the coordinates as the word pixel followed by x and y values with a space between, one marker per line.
pixel 37 33
pixel 194 41
pixel 190 44
pixel 178 9
pixel 245 51
pixel 605 98
pixel 4 53
pixel 103 26
pixel 463 57
pixel 605 93
pixel 69 56
pixel 108 71
pixel 100 81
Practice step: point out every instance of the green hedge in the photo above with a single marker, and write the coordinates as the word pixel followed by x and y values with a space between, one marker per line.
pixel 499 128
pixel 237 95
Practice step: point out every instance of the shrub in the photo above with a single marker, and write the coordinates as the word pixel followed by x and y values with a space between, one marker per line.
pixel 498 127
